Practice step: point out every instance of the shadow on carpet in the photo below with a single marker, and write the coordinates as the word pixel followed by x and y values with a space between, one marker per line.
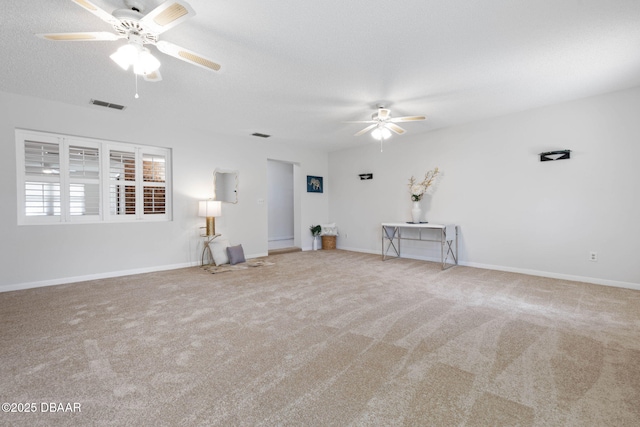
pixel 214 269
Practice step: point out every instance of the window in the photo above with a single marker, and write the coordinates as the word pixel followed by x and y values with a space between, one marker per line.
pixel 154 171
pixel 122 182
pixel 41 177
pixel 64 179
pixel 84 180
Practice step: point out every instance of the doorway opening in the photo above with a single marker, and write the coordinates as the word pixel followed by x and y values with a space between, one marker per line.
pixel 281 207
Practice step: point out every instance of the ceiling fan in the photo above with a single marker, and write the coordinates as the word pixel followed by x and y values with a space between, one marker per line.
pixel 382 123
pixel 140 29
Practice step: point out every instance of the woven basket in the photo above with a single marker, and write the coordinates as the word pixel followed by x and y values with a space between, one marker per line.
pixel 328 242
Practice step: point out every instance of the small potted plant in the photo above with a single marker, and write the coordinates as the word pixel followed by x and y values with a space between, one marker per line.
pixel 315 232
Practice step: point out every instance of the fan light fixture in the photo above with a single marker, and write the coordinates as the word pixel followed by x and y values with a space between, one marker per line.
pixel 380 133
pixel 133 54
pixel 382 124
pixel 139 29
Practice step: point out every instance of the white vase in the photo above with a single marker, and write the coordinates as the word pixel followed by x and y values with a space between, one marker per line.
pixel 315 243
pixel 416 212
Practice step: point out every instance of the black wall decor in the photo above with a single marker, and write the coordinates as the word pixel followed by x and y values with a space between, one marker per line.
pixel 366 176
pixel 314 184
pixel 555 155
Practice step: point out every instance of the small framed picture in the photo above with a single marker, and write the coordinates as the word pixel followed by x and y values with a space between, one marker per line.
pixel 314 184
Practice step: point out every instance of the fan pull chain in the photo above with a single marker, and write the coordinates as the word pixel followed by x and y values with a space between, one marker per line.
pixel 136 96
pixel 381 141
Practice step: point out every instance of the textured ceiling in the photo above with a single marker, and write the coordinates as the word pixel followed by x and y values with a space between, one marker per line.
pixel 298 69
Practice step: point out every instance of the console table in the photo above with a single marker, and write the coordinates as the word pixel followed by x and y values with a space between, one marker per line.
pixel 392 234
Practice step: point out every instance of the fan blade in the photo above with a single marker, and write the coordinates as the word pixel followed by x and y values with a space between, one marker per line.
pixel 407 119
pixel 187 55
pixel 363 121
pixel 167 15
pixel 105 16
pixel 153 76
pixel 397 129
pixel 365 130
pixel 80 37
pixel 383 114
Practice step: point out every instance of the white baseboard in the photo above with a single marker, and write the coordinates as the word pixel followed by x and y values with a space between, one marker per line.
pixel 67 280
pixel 552 275
pixel 107 275
pixel 364 251
pixel 259 255
pixel 277 239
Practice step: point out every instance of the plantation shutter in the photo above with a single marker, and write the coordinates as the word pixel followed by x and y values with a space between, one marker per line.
pixel 67 179
pixel 42 195
pixel 84 181
pixel 122 182
pixel 154 170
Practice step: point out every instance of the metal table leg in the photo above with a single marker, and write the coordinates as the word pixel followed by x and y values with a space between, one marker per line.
pixel 390 233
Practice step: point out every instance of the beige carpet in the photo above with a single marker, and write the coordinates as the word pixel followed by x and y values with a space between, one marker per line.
pixel 324 338
pixel 224 268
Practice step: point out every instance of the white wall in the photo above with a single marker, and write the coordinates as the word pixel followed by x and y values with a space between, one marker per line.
pixel 515 213
pixel 41 255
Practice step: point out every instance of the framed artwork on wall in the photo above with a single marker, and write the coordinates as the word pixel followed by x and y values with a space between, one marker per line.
pixel 314 184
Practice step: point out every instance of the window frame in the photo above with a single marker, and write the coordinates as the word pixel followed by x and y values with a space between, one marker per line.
pixel 65 179
pixel 68 179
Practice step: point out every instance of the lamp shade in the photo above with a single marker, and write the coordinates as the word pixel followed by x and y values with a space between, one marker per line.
pixel 146 63
pixel 134 54
pixel 210 208
pixel 381 133
pixel 126 55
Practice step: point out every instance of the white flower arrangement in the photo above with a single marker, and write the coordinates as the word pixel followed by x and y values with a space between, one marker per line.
pixel 417 189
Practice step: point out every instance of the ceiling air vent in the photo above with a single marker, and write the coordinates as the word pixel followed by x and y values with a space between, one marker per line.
pixel 261 135
pixel 107 104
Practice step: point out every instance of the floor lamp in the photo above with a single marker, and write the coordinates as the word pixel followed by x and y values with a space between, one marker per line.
pixel 210 209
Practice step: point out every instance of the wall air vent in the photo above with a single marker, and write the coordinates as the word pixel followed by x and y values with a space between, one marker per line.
pixel 261 135
pixel 107 104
